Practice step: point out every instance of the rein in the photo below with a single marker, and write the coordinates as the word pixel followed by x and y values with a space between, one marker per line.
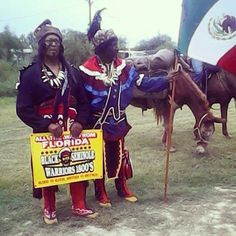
pixel 177 67
pixel 198 129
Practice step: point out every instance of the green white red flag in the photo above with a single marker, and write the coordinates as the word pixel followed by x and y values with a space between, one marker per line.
pixel 208 32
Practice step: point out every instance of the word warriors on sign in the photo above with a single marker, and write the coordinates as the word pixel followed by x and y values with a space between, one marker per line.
pixel 51 172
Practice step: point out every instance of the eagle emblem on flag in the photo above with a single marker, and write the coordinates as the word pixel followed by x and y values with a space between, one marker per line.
pixel 222 28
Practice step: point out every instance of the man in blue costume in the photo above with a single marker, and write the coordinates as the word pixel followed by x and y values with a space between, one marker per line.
pixel 109 83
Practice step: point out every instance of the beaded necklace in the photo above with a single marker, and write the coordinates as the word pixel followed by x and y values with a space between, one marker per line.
pixel 109 74
pixel 53 80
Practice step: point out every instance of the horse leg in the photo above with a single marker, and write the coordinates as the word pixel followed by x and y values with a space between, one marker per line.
pixel 195 132
pixel 201 146
pixel 224 114
pixel 164 136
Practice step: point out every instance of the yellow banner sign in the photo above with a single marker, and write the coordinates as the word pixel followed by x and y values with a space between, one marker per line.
pixel 66 159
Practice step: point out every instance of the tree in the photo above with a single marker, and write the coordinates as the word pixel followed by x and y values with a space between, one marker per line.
pixel 157 42
pixel 122 43
pixel 8 43
pixel 31 41
pixel 77 47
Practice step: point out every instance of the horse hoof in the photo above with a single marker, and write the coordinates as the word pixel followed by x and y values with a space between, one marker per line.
pixel 228 137
pixel 200 150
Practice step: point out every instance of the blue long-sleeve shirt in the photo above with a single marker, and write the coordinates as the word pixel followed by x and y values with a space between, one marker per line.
pixel 109 96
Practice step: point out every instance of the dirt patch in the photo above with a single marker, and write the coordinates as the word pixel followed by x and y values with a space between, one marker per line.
pixel 211 214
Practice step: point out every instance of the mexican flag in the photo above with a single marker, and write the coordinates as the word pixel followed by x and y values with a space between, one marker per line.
pixel 208 32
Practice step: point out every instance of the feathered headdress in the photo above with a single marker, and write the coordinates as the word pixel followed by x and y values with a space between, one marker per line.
pixel 97 35
pixel 95 24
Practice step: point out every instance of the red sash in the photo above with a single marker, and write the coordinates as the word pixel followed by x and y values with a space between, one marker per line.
pixel 46 110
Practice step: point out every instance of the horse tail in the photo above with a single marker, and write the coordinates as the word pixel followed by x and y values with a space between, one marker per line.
pixel 158 115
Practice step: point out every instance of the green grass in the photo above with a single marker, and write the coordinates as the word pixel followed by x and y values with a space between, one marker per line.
pixel 189 175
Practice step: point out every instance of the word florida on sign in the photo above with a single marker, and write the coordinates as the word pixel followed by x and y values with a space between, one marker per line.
pixel 66 159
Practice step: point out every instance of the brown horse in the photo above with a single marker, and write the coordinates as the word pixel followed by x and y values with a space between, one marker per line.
pixel 221 88
pixel 186 93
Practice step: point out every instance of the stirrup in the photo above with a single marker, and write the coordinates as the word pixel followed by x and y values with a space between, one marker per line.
pixel 88 213
pixel 49 217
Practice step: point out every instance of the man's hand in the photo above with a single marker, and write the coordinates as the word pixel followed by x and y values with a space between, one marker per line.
pixel 75 129
pixel 55 129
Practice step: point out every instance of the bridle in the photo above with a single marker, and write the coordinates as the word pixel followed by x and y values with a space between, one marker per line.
pixel 179 67
pixel 197 128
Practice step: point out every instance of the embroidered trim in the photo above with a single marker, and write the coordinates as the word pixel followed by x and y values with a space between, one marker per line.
pixel 111 110
pixel 95 92
pixel 109 75
pixel 119 163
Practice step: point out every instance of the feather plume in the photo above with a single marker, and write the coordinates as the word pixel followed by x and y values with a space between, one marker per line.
pixel 95 25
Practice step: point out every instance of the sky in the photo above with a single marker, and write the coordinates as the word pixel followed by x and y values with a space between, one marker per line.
pixel 135 20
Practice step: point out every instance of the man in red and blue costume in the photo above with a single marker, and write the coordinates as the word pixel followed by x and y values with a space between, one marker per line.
pixel 109 83
pixel 51 98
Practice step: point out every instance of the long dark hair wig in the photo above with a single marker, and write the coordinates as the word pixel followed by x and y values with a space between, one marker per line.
pixel 40 57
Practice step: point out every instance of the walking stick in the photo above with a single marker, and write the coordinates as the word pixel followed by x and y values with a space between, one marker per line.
pixel 169 131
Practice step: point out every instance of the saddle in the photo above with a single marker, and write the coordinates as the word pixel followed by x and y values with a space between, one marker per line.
pixel 209 71
pixel 153 65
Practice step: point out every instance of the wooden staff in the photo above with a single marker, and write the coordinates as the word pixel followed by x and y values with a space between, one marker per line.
pixel 169 132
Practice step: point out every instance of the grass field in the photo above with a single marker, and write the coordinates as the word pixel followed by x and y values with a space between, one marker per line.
pixel 189 175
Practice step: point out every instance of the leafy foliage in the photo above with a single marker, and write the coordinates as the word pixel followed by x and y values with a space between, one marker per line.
pixel 122 43
pixel 8 43
pixel 155 43
pixel 8 78
pixel 77 47
pixel 77 50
